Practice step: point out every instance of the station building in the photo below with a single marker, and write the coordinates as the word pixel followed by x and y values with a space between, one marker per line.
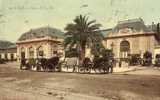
pixel 41 42
pixel 132 37
pixel 8 51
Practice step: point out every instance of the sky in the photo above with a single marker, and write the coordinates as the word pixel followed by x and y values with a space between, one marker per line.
pixel 19 16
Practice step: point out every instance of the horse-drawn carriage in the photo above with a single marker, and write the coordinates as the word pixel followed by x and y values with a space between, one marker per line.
pixel 2 61
pixel 102 64
pixel 99 64
pixel 40 64
pixel 157 60
pixel 135 59
pixel 147 59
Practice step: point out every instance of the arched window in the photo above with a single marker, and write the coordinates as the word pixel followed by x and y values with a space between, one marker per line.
pixel 124 46
pixel 124 49
pixel 31 52
pixel 6 56
pixel 40 51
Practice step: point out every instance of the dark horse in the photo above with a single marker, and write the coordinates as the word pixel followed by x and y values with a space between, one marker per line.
pixel 24 65
pixel 47 64
pixel 147 58
pixel 86 66
pixel 102 64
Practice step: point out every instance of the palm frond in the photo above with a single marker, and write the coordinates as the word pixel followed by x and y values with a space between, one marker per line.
pixel 67 41
pixel 91 22
pixel 83 32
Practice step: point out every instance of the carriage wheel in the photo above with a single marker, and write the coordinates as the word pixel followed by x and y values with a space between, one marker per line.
pixel 87 70
pixel 95 70
pixel 58 68
pixel 99 70
pixel 81 69
pixel 107 70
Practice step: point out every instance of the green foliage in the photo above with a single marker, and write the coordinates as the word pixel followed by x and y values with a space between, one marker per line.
pixel 107 53
pixel 71 53
pixel 31 61
pixel 82 33
pixel 158 27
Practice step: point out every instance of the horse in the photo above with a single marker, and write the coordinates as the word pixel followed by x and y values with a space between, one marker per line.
pixel 41 64
pixel 48 64
pixel 101 63
pixel 86 65
pixel 25 65
pixel 22 63
pixel 52 63
pixel 31 63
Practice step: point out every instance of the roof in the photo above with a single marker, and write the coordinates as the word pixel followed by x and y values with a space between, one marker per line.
pixel 42 32
pixel 12 46
pixel 136 25
pixel 6 44
pixel 106 32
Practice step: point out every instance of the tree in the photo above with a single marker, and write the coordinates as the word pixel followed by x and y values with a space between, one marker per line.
pixel 157 35
pixel 82 33
pixel 158 27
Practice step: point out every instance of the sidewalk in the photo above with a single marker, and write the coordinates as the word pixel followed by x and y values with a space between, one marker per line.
pixel 128 68
pixel 137 70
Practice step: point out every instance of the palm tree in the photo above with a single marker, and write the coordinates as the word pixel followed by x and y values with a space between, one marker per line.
pixel 82 33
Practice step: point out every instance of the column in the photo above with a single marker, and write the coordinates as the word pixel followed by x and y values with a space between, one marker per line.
pixel 26 52
pixel 35 52
pixel 18 56
pixel 47 50
pixel 50 51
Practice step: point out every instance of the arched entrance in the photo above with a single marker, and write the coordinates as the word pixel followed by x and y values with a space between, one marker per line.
pixel 40 51
pixel 12 56
pixel 22 53
pixel 31 52
pixel 124 49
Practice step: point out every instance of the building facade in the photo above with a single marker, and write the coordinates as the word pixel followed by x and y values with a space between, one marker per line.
pixel 9 53
pixel 131 37
pixel 41 42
